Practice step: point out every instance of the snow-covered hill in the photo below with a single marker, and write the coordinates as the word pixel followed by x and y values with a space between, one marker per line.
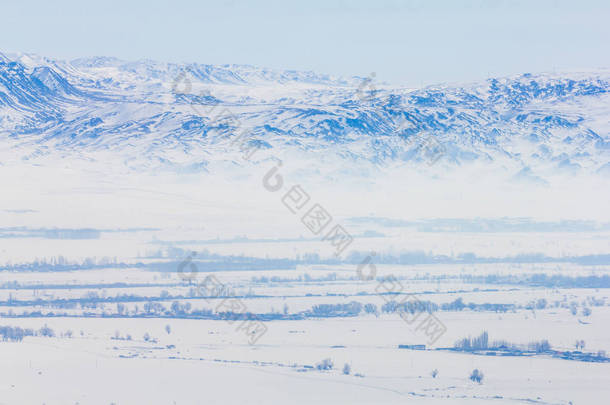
pixel 152 115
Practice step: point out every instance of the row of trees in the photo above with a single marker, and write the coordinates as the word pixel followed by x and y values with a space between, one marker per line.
pixel 16 334
pixel 482 342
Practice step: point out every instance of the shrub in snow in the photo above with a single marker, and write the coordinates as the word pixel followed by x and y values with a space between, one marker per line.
pixel 540 347
pixel 541 303
pixel 476 376
pixel 46 331
pixel 371 309
pixel 326 364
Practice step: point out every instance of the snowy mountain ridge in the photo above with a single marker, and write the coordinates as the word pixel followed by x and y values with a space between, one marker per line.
pixel 154 114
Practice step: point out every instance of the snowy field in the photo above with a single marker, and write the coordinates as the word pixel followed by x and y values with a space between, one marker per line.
pixel 142 333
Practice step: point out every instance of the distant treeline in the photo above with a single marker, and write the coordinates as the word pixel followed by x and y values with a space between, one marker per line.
pixel 62 233
pixel 182 308
pixel 542 280
pixel 61 263
pixel 421 257
pixel 16 334
pixel 210 262
pixel 482 345
pixel 14 285
pixel 486 225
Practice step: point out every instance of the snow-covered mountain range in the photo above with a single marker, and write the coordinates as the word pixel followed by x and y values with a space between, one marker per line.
pixel 149 114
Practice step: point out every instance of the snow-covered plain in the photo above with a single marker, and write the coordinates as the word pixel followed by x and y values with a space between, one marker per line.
pixel 113 173
pixel 106 359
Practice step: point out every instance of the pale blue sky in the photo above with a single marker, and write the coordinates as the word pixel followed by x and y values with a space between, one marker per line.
pixel 404 42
